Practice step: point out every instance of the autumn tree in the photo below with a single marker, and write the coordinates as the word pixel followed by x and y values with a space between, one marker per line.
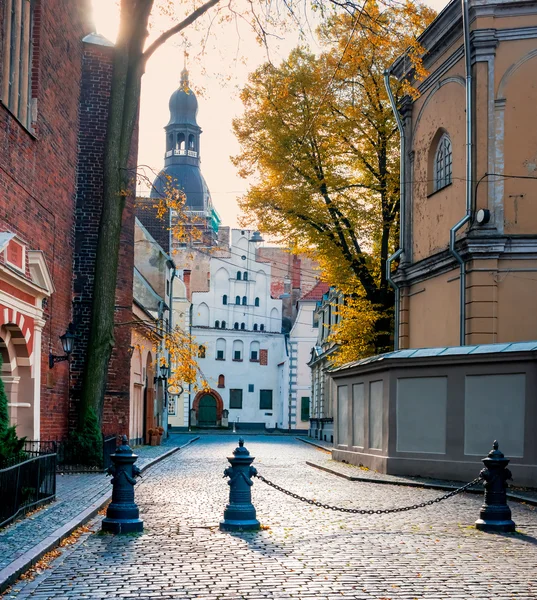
pixel 319 136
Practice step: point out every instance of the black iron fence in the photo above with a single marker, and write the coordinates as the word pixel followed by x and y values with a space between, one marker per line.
pixel 26 484
pixel 70 460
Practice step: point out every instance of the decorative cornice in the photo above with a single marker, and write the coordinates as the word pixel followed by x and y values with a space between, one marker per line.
pixel 476 246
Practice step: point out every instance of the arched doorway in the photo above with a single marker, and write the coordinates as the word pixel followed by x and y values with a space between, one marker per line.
pixel 18 379
pixel 208 407
pixel 207 411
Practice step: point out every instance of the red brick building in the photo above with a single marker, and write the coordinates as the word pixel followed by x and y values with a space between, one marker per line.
pixel 54 91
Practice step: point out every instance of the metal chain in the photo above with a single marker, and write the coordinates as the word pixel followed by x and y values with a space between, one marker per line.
pixel 363 511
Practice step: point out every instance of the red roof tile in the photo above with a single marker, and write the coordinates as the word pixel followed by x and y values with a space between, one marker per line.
pixel 317 293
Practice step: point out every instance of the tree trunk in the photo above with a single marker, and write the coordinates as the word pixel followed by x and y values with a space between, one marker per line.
pixel 124 99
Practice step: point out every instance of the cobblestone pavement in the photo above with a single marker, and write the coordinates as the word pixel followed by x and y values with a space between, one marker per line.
pixel 74 493
pixel 304 552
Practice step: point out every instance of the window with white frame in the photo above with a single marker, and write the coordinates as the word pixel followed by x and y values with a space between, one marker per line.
pixel 220 349
pixel 443 162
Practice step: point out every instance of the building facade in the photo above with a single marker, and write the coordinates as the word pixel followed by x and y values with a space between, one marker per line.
pixel 302 339
pixel 52 132
pixel 464 375
pixel 324 315
pixel 242 351
pixel 466 275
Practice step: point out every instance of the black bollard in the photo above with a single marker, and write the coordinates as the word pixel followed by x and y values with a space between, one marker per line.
pixel 122 515
pixel 495 515
pixel 240 512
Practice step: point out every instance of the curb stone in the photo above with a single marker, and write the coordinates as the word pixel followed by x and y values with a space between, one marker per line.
pixel 418 484
pixel 312 443
pixel 11 573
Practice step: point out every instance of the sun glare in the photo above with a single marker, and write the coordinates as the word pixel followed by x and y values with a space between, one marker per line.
pixel 106 17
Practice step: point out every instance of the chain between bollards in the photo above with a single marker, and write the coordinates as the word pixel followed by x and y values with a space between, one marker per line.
pixel 364 511
pixel 495 514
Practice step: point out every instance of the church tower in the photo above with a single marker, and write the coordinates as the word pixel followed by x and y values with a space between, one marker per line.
pixel 182 162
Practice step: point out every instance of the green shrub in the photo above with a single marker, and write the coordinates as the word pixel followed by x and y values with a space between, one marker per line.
pixel 11 446
pixel 85 446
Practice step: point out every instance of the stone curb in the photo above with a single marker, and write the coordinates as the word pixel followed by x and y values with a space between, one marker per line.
pixel 11 573
pixel 417 484
pixel 312 443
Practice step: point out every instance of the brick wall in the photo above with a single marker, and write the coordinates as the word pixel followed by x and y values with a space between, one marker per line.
pixel 97 71
pixel 38 179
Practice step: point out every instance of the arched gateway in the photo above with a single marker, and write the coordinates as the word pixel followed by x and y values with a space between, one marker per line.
pixel 208 407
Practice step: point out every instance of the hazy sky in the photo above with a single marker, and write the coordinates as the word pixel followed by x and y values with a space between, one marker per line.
pixel 217 74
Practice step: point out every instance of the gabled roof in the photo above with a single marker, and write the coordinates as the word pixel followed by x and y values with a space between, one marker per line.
pixel 317 293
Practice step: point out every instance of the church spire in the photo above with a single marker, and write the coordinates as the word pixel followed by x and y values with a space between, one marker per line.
pixel 184 73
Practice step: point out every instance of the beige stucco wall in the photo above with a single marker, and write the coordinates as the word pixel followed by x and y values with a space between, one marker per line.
pixel 434 312
pixel 501 283
pixel 433 214
pixel 141 372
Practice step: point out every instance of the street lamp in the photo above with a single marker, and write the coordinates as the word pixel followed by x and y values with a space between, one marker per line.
pixel 67 340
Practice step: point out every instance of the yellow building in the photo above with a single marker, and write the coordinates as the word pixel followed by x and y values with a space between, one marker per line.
pixel 468 268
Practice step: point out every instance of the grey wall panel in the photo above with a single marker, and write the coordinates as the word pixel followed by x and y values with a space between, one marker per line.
pixel 358 415
pixel 494 410
pixel 343 414
pixel 376 412
pixel 421 414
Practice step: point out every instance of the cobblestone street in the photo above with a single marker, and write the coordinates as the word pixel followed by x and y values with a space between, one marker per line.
pixel 302 551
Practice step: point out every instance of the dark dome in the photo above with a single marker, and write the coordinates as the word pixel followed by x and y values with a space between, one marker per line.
pixel 187 178
pixel 183 103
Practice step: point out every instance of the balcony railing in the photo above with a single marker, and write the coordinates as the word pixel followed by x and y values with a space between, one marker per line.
pixel 181 152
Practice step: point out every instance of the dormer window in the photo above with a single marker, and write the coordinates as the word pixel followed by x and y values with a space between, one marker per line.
pixel 443 163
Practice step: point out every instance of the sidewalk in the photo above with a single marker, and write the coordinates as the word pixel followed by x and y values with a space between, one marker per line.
pixel 355 473
pixel 78 498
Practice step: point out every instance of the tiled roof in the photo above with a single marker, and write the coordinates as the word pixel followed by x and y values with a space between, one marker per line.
pixel 317 293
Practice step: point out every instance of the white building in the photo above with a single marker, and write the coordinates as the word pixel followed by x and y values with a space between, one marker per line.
pixel 243 354
pixel 302 339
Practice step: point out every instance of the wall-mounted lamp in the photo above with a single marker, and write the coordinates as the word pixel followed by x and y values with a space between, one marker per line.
pixel 163 373
pixel 67 340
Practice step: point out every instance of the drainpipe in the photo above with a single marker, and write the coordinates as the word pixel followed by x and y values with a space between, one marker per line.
pixel 469 171
pixel 402 180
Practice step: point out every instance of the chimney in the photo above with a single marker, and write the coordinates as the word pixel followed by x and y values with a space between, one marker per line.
pixel 186 280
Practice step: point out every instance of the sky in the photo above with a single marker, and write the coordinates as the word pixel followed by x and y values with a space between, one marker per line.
pixel 218 63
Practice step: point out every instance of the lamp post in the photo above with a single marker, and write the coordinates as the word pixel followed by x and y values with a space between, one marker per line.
pixel 162 378
pixel 67 340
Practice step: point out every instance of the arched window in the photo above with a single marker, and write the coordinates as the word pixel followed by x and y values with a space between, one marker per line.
pixel 180 143
pixel 237 299
pixel 224 299
pixel 191 142
pixel 243 326
pixel 169 144
pixel 220 349
pixel 223 324
pixel 261 327
pixel 244 300
pixel 254 352
pixel 443 163
pixel 217 324
pixel 239 275
pixel 236 326
pixel 245 276
pixel 256 302
pixel 237 350
pixel 255 326
pixel 221 381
